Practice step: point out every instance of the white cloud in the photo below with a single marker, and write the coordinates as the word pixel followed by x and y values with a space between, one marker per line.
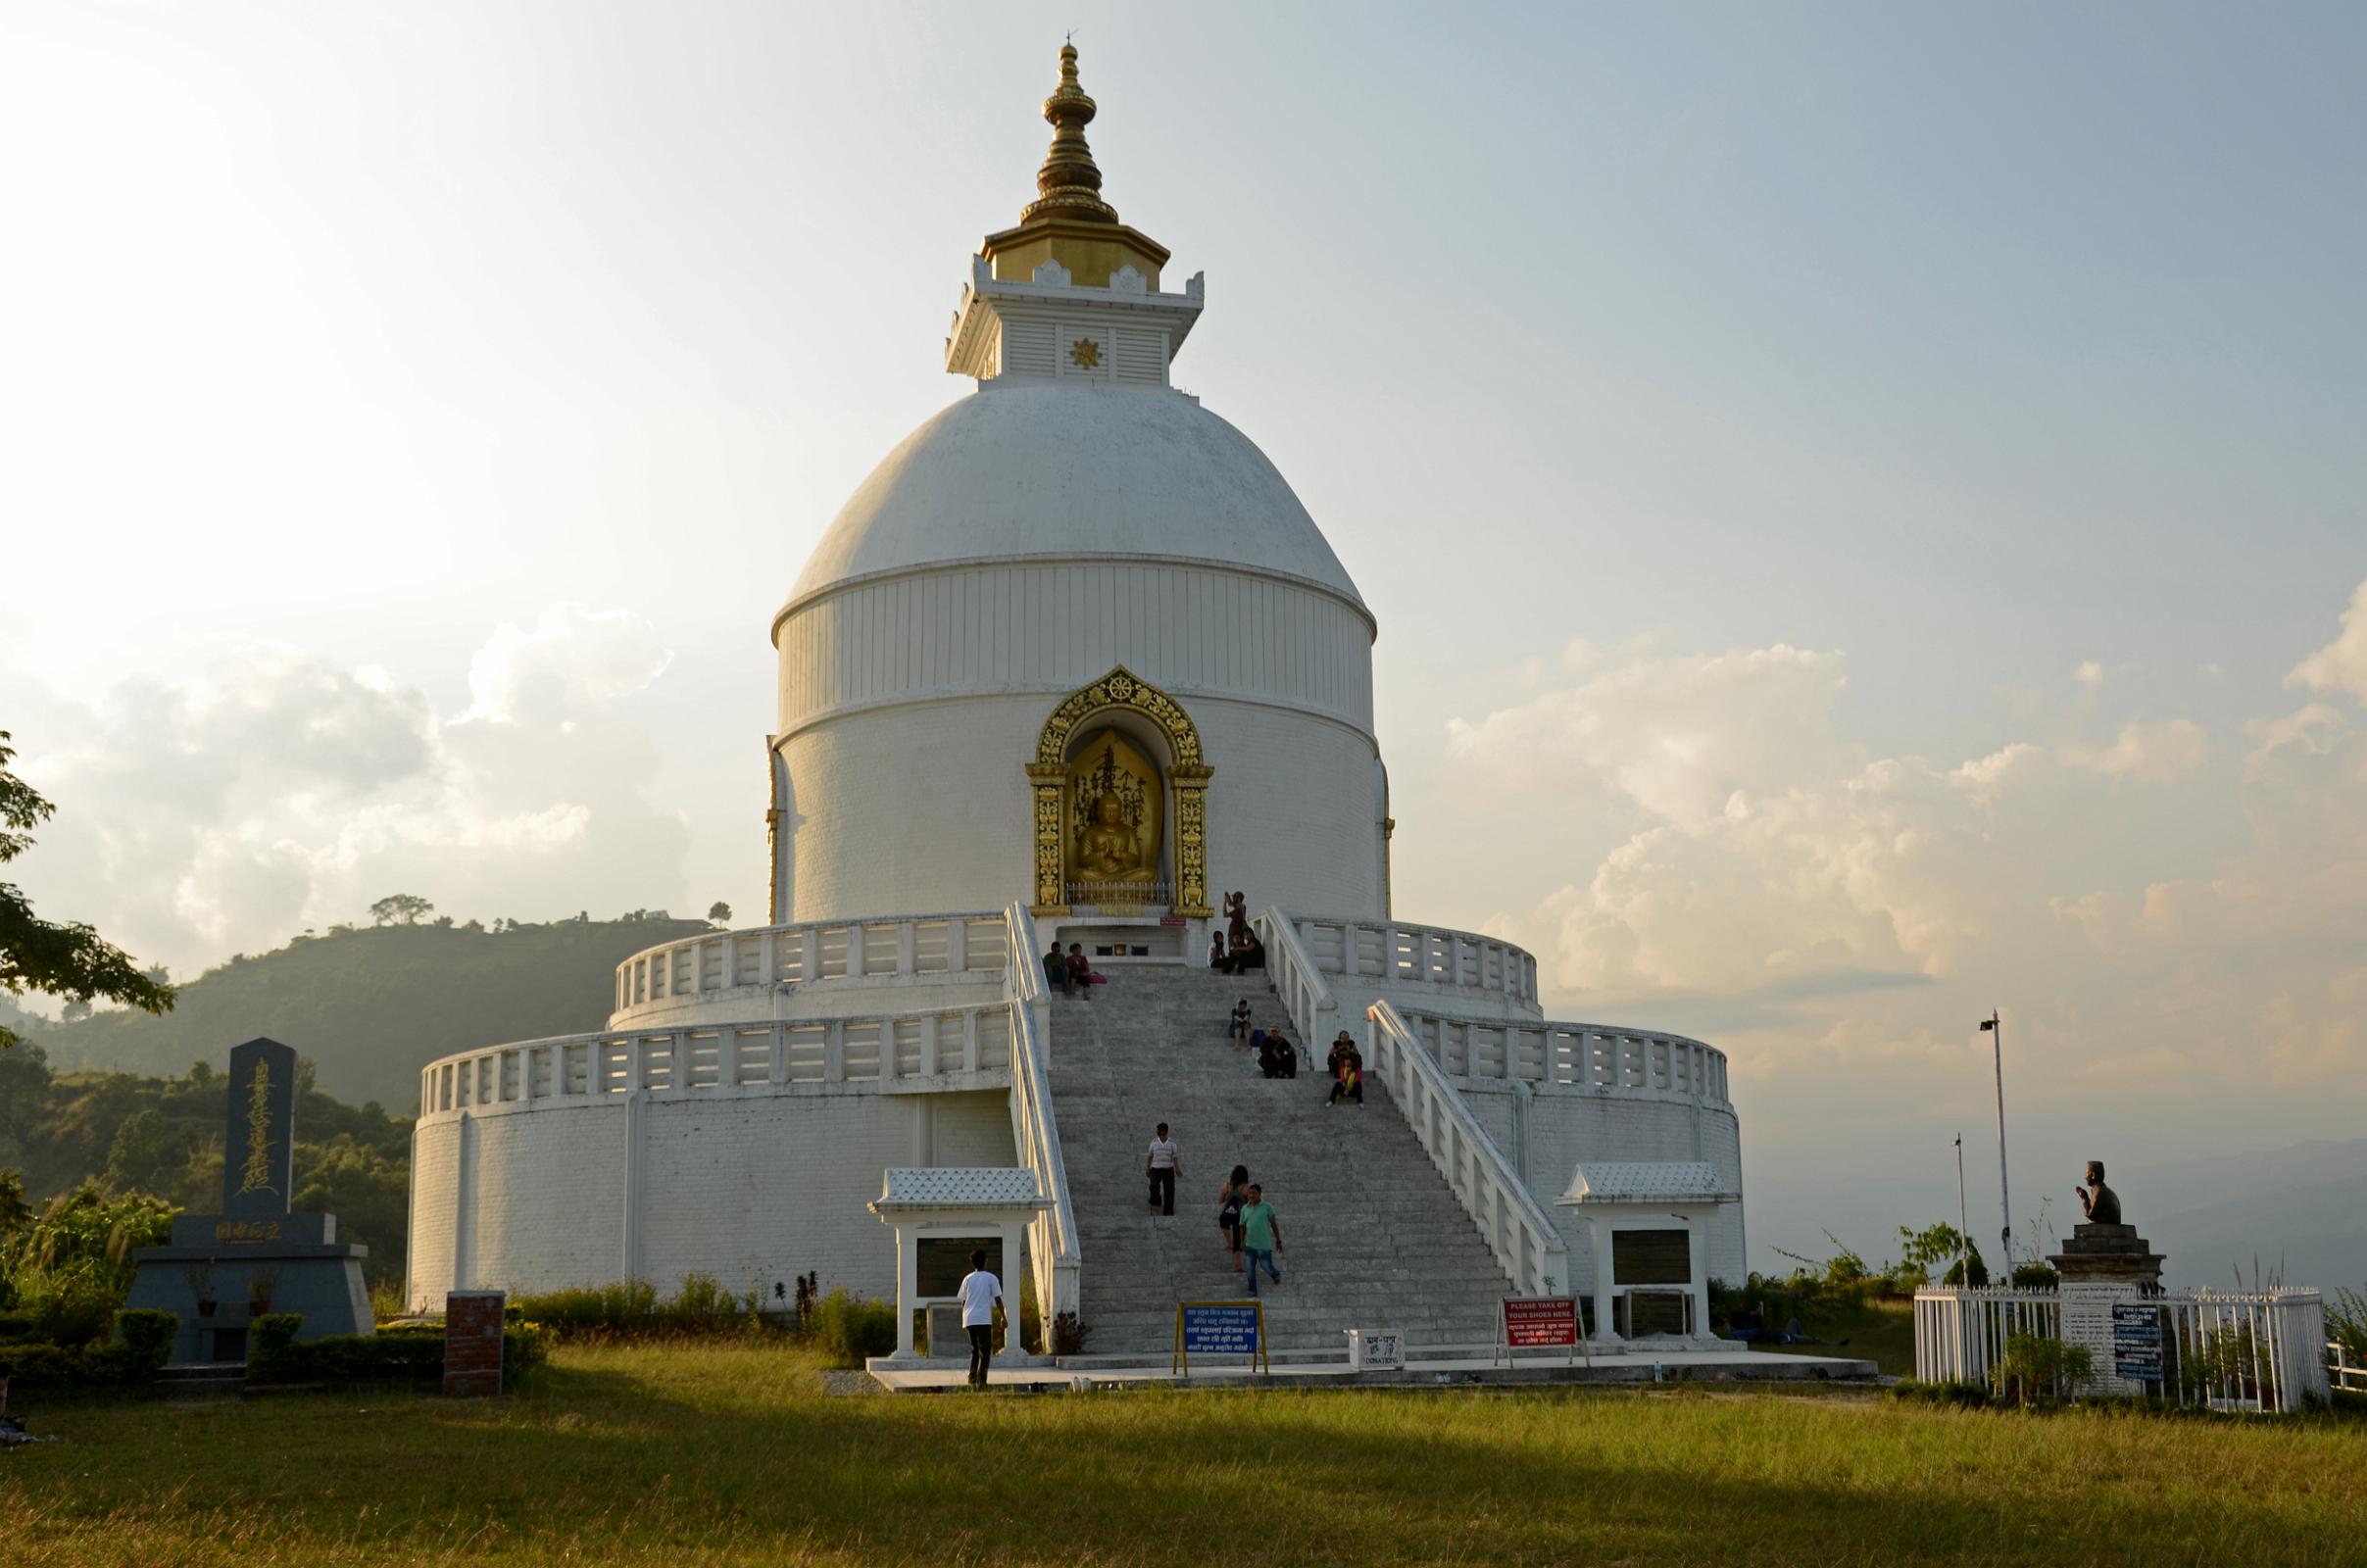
pixel 2342 664
pixel 274 790
pixel 2167 749
pixel 573 661
pixel 2090 674
pixel 1766 869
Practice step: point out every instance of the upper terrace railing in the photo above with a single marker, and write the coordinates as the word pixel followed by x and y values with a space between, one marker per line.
pixel 1588 1057
pixel 798 954
pixel 923 1050
pixel 1391 953
pixel 1054 1260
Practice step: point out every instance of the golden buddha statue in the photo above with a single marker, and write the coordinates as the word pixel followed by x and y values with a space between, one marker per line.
pixel 1108 850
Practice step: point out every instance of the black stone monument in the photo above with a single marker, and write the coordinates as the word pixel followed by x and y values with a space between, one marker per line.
pixel 222 1271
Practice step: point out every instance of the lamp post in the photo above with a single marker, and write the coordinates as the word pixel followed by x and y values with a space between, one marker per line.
pixel 1997 1038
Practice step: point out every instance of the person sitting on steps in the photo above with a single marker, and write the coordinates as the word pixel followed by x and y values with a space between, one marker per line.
pixel 1216 950
pixel 1055 969
pixel 1347 1065
pixel 1238 1029
pixel 1080 971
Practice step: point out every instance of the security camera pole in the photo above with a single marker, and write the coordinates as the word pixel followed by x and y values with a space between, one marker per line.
pixel 1997 1036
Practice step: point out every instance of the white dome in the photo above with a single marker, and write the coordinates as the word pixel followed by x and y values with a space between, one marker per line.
pixel 1013 472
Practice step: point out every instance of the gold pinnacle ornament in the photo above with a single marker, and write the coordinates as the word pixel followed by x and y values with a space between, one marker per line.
pixel 1070 184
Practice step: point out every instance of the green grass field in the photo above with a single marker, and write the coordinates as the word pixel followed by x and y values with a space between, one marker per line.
pixel 692 1455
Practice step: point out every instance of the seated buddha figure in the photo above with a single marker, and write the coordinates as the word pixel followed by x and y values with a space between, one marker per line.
pixel 1108 850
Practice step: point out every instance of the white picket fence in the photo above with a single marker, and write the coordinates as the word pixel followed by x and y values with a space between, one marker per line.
pixel 2221 1349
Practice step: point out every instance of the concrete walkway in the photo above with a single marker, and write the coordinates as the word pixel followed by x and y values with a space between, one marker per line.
pixel 1629 1366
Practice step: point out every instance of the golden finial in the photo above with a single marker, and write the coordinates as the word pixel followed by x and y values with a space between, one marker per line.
pixel 1068 184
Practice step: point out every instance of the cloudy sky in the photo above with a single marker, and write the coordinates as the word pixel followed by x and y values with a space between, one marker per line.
pixel 1863 502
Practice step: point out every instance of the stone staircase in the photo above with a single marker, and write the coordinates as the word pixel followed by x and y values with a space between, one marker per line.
pixel 1373 1236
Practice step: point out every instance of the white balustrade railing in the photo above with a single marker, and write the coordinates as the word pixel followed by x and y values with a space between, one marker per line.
pixel 802 955
pixel 1054 1258
pixel 1588 1057
pixel 1516 1229
pixel 1293 971
pixel 2343 1370
pixel 2257 1351
pixel 1391 953
pixel 726 1058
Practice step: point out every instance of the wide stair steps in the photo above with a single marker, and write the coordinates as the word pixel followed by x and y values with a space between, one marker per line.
pixel 1373 1236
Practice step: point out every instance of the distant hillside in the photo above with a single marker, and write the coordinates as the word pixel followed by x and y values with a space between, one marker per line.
pixel 371 1007
pixel 2218 1217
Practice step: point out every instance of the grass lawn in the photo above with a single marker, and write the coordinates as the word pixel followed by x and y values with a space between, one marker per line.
pixel 730 1456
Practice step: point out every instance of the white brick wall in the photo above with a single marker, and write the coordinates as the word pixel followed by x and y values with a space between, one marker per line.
pixel 751 1189
pixel 1563 1129
pixel 927 807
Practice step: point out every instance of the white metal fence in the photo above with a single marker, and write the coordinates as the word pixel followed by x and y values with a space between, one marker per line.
pixel 2343 1370
pixel 2219 1349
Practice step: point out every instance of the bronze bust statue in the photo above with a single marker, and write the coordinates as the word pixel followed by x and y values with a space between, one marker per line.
pixel 2101 1202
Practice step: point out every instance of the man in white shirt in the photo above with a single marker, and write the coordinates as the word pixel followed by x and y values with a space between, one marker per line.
pixel 1163 1166
pixel 982 1305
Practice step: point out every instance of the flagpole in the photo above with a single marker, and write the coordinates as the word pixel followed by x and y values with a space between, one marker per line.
pixel 1996 1035
pixel 1964 1234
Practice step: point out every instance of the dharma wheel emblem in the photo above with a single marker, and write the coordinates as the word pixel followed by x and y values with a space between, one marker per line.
pixel 1121 689
pixel 1086 353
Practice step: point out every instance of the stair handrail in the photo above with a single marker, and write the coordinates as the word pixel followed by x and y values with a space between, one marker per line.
pixel 1306 993
pixel 1054 1257
pixel 1515 1226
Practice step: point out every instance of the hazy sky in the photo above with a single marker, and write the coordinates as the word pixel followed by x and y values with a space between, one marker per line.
pixel 1862 502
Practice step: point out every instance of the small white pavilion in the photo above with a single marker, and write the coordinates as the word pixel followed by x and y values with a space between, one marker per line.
pixel 1644 1220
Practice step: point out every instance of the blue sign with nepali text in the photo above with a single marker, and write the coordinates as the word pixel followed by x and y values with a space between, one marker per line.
pixel 1219 1328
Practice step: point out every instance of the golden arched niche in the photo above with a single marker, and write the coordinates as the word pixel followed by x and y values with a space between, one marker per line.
pixel 1116 805
pixel 1078 765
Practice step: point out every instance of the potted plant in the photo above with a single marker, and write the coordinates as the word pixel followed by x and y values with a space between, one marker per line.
pixel 260 1286
pixel 200 1278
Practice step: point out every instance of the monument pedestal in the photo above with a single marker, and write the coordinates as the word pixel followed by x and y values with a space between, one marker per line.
pixel 2110 1277
pixel 222 1271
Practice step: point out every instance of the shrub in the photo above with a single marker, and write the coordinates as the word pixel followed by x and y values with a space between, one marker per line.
pixel 846 1329
pixel 148 1334
pixel 146 1346
pixel 2036 1277
pixel 1069 1335
pixel 2035 1368
pixel 412 1355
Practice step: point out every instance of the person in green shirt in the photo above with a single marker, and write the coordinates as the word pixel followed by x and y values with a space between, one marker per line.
pixel 1260 1236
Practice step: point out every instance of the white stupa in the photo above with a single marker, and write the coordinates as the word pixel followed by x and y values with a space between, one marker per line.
pixel 1070 662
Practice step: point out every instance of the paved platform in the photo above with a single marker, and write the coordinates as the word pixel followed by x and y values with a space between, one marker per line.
pixel 1631 1366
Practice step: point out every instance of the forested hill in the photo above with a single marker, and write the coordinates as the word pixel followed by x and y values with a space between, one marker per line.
pixel 372 1006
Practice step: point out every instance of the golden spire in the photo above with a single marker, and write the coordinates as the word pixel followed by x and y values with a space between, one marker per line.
pixel 1068 184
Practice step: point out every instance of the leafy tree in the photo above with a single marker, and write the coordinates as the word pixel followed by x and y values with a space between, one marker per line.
pixel 15 1212
pixel 1934 1246
pixel 407 908
pixel 72 959
pixel 143 1154
pixel 720 912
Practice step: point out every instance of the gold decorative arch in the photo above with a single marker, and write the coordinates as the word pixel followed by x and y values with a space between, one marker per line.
pixel 1189 777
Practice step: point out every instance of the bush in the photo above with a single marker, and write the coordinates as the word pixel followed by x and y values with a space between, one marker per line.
pixel 629 1309
pixel 412 1354
pixel 146 1346
pixel 2035 1368
pixel 846 1329
pixel 148 1334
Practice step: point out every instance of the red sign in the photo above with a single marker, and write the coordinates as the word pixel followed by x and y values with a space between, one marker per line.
pixel 1537 1320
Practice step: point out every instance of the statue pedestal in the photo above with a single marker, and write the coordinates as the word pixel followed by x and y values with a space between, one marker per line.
pixel 309 1271
pixel 2109 1277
